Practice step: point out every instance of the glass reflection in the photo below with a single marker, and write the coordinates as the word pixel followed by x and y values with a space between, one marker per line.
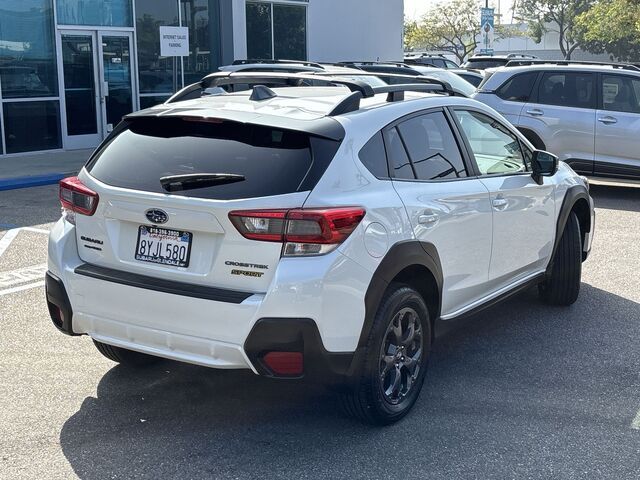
pixel 79 84
pixel 201 60
pixel 290 32
pixel 156 73
pixel 259 30
pixel 108 13
pixel 25 118
pixel 27 49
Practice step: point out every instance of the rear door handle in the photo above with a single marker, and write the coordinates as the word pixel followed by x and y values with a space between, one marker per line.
pixel 608 120
pixel 499 203
pixel 428 219
pixel 536 112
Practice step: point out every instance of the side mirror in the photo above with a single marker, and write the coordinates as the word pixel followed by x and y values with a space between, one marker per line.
pixel 543 164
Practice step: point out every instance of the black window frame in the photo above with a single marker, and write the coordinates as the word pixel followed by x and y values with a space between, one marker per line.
pixel 470 153
pixel 467 161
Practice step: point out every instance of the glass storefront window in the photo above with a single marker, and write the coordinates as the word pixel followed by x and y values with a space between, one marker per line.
pixel 22 119
pixel 156 73
pixel 27 49
pixel 202 58
pixel 107 13
pixel 146 102
pixel 290 32
pixel 286 25
pixel 259 30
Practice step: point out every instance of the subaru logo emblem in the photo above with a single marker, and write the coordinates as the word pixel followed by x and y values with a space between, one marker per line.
pixel 155 215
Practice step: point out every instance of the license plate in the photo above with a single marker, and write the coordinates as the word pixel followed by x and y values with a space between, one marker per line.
pixel 163 246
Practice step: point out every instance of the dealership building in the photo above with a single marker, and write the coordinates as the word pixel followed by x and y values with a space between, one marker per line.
pixel 70 69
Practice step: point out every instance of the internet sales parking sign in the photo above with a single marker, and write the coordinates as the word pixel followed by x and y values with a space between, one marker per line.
pixel 486 31
pixel 174 41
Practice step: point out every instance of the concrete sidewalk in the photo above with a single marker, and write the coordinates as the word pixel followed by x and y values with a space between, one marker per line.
pixel 40 168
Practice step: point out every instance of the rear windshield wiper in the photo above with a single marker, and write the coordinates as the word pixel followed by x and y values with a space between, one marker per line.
pixel 190 181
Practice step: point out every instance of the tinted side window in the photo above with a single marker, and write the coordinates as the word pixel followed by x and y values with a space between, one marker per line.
pixel 495 149
pixel 518 88
pixel 432 148
pixel 621 93
pixel 398 159
pixel 373 156
pixel 568 89
pixel 472 79
pixel 437 62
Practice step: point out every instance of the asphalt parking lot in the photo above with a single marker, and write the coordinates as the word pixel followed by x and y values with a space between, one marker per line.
pixel 522 390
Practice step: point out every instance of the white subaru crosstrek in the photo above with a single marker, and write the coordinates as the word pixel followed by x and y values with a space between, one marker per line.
pixel 314 232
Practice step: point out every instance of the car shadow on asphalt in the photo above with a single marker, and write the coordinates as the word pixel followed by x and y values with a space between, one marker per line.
pixel 518 361
pixel 615 197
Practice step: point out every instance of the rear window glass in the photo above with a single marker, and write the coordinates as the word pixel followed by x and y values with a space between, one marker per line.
pixel 273 161
pixel 486 63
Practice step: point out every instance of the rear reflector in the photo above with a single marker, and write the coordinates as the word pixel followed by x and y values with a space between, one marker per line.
pixel 284 363
pixel 76 197
pixel 303 231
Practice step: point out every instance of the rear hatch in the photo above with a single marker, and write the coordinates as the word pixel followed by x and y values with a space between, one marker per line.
pixel 143 227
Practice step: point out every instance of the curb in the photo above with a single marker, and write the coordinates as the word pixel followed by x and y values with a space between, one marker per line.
pixel 31 181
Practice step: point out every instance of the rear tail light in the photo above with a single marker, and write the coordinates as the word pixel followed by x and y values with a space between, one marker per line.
pixel 303 231
pixel 75 197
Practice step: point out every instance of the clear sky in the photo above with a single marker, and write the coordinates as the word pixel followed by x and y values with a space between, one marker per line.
pixel 414 9
pixel 417 8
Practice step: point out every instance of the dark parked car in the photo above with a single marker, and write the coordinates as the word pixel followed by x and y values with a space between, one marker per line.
pixel 430 60
pixel 481 62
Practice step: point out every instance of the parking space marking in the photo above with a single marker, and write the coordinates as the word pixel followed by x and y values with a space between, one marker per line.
pixel 21 288
pixel 22 275
pixel 8 237
pixel 636 422
pixel 6 240
pixel 36 230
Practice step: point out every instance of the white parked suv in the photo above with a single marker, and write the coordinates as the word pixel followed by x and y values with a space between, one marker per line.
pixel 312 232
pixel 588 114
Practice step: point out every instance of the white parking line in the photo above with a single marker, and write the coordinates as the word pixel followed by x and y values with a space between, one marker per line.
pixel 22 275
pixel 6 240
pixel 8 237
pixel 636 422
pixel 21 288
pixel 36 230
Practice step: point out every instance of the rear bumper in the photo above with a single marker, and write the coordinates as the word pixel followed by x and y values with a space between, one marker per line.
pixel 58 304
pixel 315 315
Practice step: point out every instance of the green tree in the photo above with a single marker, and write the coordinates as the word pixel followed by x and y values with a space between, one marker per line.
pixel 453 25
pixel 612 26
pixel 558 16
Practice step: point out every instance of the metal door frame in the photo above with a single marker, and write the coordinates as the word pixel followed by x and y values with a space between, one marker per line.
pixel 101 33
pixel 73 142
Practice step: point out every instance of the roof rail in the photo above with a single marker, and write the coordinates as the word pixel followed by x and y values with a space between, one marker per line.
pixel 273 79
pixel 348 104
pixel 355 63
pixel 249 61
pixel 520 63
pixel 396 92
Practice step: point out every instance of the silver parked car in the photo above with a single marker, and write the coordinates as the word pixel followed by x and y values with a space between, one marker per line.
pixel 588 114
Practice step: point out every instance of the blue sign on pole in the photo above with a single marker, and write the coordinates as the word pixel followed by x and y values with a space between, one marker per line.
pixel 486 31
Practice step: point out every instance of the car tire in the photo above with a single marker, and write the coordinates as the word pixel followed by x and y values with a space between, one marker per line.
pixel 563 285
pixel 395 359
pixel 125 357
